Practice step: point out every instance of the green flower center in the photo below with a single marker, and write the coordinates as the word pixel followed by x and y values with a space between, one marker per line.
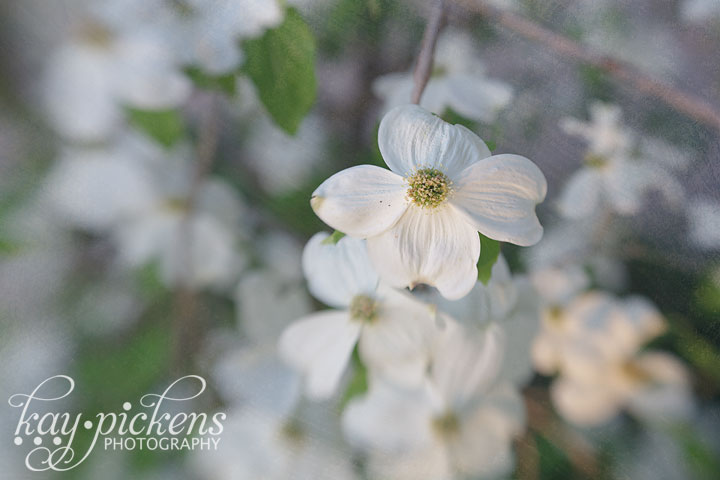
pixel 428 188
pixel 363 309
pixel 446 425
pixel 594 160
pixel 555 315
pixel 439 71
pixel 95 34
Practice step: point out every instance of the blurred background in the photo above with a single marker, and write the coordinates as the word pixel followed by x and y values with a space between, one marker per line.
pixel 154 203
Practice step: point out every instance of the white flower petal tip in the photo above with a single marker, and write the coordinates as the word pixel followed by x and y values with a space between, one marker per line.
pixel 360 201
pixel 499 195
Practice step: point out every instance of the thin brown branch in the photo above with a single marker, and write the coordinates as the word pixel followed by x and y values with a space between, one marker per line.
pixel 686 103
pixel 424 66
pixel 541 419
pixel 187 330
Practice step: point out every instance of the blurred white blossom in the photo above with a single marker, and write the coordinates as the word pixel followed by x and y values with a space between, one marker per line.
pixel 460 424
pixel 613 176
pixel 392 330
pixel 458 82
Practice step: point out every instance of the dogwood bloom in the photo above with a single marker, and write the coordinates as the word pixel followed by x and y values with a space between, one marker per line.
pixel 391 329
pixel 91 78
pixel 269 433
pixel 458 81
pixel 137 193
pixel 202 33
pixel 612 176
pixel 421 217
pixel 460 425
pixel 597 319
pixel 594 343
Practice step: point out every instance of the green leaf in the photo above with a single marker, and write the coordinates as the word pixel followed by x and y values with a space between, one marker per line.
pixel 281 64
pixel 223 83
pixel 707 295
pixel 489 252
pixel 358 384
pixel 554 463
pixel 164 126
pixel 334 238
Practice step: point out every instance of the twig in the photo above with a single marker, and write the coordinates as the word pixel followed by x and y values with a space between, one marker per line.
pixel 424 66
pixel 690 105
pixel 186 305
pixel 541 419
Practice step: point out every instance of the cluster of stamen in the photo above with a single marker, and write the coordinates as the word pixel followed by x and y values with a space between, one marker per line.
pixel 446 425
pixel 428 188
pixel 95 34
pixel 636 373
pixel 363 309
pixel 555 315
pixel 594 160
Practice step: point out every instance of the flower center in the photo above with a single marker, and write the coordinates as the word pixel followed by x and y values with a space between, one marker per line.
pixel 635 373
pixel 363 309
pixel 594 160
pixel 446 425
pixel 95 34
pixel 428 188
pixel 555 315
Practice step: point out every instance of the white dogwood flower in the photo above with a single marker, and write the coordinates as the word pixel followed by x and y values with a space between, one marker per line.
pixel 596 319
pixel 458 81
pixel 594 343
pixel 202 33
pixel 391 329
pixel 422 216
pixel 91 78
pixel 613 176
pixel 461 425
pixel 654 386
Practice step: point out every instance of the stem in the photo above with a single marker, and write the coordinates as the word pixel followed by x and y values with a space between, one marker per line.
pixel 187 331
pixel 424 66
pixel 690 105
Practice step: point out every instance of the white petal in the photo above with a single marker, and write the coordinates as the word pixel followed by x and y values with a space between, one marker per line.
pixel 581 195
pixel 466 363
pixel 477 98
pixel 397 344
pixel 256 376
pixel 267 302
pixel 485 444
pixel 388 418
pixel 667 395
pixel 584 404
pixel 361 201
pixel 338 272
pixel 411 138
pixel 624 185
pixel 436 247
pixel 78 93
pixel 499 195
pixel 320 345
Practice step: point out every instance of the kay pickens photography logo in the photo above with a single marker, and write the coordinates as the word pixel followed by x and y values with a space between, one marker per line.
pixel 145 425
